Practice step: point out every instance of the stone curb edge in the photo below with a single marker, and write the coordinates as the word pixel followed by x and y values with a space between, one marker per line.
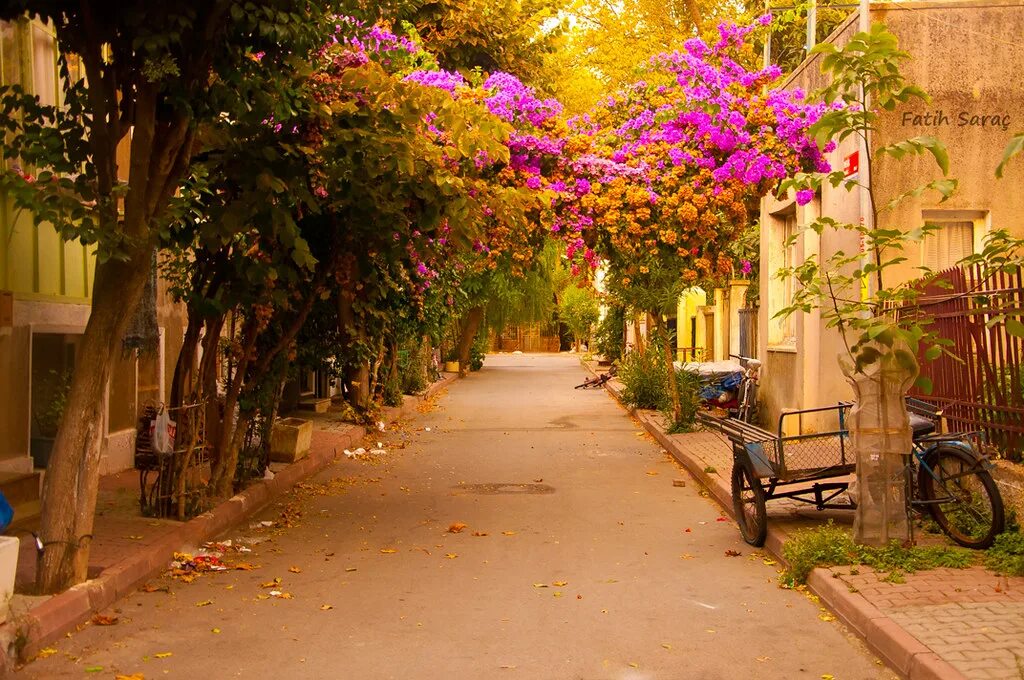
pixel 901 651
pixel 62 613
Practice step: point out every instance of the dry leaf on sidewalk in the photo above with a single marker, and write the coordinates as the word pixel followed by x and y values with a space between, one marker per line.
pixel 104 620
pixel 456 528
pixel 295 570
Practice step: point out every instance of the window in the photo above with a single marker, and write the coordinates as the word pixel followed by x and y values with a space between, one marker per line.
pixel 10 68
pixel 44 64
pixel 960 234
pixel 781 331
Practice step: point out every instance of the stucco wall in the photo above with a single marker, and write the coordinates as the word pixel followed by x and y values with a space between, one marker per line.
pixel 969 57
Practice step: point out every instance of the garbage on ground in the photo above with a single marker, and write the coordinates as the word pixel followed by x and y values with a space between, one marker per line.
pixel 380 425
pixel 188 566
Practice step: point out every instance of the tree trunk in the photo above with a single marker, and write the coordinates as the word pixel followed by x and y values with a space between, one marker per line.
pixel 72 477
pixel 673 387
pixel 470 325
pixel 636 334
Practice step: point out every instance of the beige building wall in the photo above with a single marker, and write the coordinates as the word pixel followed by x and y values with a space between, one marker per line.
pixel 968 56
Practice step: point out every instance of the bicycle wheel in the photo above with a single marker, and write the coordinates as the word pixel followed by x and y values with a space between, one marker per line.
pixel 748 503
pixel 961 496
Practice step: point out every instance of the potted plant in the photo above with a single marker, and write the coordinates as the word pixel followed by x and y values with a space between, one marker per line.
pixel 54 391
pixel 451 360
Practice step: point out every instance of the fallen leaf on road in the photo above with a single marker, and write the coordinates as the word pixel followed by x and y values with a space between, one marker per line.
pixel 94 669
pixel 540 585
pixel 245 566
pixel 480 533
pixel 103 620
pixel 709 630
pixel 508 533
pixel 388 551
pixel 215 631
pixel 770 562
pixel 560 583
pixel 763 659
pixel 351 569
pixel 451 556
pixel 557 593
pixel 271 584
pixel 45 652
pixel 456 528
pixel 135 538
pixel 154 589
pixel 732 553
pixel 295 570
pixel 633 664
pixel 666 645
pixel 538 481
pixel 325 607
pixel 163 655
pixel 204 603
pixel 687 556
pixel 826 617
pixel 688 530
pixel 722 519
pixel 827 676
pixel 133 676
pixel 652 472
pixel 509 667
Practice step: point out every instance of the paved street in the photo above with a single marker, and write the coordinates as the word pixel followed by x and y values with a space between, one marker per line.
pixel 579 559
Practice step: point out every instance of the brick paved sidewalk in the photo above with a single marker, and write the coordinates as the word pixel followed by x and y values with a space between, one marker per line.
pixel 120 528
pixel 971 618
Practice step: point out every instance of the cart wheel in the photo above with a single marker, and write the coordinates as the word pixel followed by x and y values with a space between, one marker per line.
pixel 962 497
pixel 748 503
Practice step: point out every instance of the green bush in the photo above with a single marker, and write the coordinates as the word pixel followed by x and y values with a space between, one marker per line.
pixel 610 339
pixel 413 361
pixel 688 387
pixel 1006 556
pixel 478 350
pixel 830 546
pixel 644 380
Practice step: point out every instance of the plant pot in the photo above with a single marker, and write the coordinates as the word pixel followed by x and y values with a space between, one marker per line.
pixel 290 439
pixel 41 447
pixel 451 366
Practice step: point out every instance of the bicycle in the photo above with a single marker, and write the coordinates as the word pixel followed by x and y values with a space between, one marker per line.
pixel 599 380
pixel 947 476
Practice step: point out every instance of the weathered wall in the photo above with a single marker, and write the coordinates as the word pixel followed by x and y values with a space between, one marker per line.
pixel 969 57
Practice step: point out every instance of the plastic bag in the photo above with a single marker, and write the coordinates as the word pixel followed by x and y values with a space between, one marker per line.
pixel 161 433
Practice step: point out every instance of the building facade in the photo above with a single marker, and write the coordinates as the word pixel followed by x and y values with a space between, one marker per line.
pixel 45 297
pixel 968 56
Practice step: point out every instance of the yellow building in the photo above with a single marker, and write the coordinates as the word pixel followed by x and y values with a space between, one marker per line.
pixel 45 291
pixel 968 56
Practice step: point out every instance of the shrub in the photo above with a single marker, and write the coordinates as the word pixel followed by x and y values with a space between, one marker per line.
pixel 644 380
pixel 413 361
pixel 578 309
pixel 688 387
pixel 478 350
pixel 830 546
pixel 609 341
pixel 1006 556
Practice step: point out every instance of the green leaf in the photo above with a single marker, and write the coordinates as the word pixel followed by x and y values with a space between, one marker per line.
pixel 1015 327
pixel 1015 146
pixel 924 384
pixel 933 353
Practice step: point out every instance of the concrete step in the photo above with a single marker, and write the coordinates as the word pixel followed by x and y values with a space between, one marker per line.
pixel 21 489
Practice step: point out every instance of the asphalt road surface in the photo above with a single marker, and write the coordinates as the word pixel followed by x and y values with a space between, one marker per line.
pixel 578 559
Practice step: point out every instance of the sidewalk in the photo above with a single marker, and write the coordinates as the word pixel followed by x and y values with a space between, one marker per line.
pixel 128 549
pixel 944 623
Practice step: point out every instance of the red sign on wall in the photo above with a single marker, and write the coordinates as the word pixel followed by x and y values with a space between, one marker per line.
pixel 852 163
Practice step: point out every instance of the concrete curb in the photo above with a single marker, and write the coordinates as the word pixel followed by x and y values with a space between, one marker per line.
pixel 49 620
pixel 901 651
